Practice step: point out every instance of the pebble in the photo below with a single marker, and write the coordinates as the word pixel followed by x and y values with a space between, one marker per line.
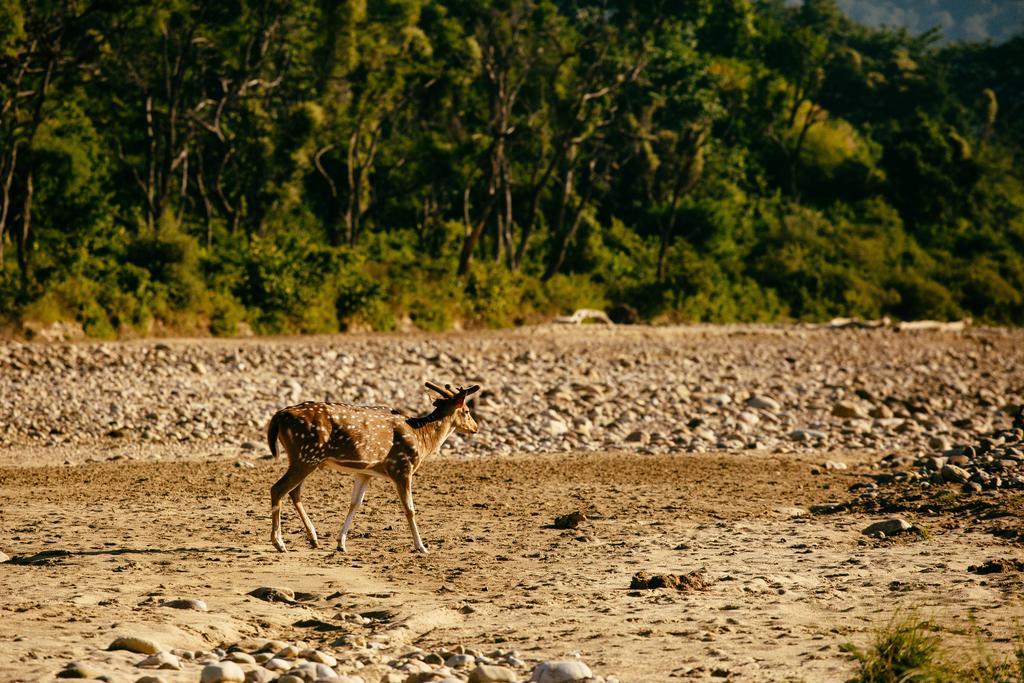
pixel 161 660
pixel 143 646
pixel 553 389
pixel 848 409
pixel 149 679
pixel 185 603
pixel 222 672
pixel 954 474
pixel 77 670
pixel 560 672
pixel 460 661
pixel 888 528
pixel 259 676
pixel 318 656
pixel 4 557
pixel 485 673
pixel 240 658
pixel 763 403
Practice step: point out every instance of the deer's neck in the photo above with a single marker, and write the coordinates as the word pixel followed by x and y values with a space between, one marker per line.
pixel 433 430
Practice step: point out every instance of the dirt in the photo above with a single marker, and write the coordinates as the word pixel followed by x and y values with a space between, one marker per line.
pixel 98 547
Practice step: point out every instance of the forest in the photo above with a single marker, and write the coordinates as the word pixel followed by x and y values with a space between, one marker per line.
pixel 219 166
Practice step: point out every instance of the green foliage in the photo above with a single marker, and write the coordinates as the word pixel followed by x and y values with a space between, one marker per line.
pixel 315 166
pixel 910 650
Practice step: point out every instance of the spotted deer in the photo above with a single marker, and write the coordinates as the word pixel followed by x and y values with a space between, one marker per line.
pixel 366 442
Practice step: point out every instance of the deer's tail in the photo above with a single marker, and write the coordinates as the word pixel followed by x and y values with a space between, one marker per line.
pixel 272 430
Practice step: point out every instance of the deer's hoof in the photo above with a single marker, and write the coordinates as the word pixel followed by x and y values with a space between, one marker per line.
pixel 422 549
pixel 279 544
pixel 313 543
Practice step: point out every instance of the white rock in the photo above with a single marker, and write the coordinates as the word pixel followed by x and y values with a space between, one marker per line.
pixel 889 527
pixel 161 660
pixel 460 661
pixel 277 664
pixel 560 671
pixel 555 427
pixel 222 672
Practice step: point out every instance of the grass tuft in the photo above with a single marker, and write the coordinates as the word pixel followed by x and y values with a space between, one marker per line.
pixel 909 650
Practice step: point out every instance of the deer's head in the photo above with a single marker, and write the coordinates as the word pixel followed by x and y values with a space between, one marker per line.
pixel 453 402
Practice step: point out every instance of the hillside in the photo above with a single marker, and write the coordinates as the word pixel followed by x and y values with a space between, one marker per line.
pixel 216 168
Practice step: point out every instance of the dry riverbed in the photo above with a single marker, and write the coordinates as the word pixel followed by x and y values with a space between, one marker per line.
pixel 101 544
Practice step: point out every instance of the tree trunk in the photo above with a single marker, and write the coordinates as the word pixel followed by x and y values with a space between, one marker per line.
pixel 25 233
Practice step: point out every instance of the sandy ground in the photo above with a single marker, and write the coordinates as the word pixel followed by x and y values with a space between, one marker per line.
pixel 787 588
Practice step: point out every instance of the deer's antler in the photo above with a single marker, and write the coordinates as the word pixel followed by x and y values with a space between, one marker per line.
pixel 445 391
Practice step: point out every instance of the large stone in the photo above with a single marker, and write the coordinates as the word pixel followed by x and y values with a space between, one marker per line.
pixel 847 409
pixel 222 672
pixel 143 646
pixel 486 673
pixel 259 676
pixel 161 660
pixel 185 603
pixel 763 403
pixel 459 661
pixel 954 474
pixel 560 672
pixel 888 528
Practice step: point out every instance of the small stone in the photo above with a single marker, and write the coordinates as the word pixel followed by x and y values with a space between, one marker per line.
pixel 560 672
pixel 636 437
pixel 291 678
pixel 4 557
pixel 569 521
pixel 149 679
pixel 318 657
pixel 459 661
pixel 555 427
pixel 834 465
pixel 882 412
pixel 161 660
pixel 259 676
pixel 954 474
pixel 288 652
pixel 889 527
pixel 351 679
pixel 972 487
pixel 240 658
pixel 142 646
pixel 486 673
pixel 807 435
pixel 277 664
pixel 77 670
pixel 763 403
pixel 847 409
pixel 185 603
pixel 222 672
pixel 272 594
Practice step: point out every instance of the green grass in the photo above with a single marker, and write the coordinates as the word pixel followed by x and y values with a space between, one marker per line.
pixel 910 650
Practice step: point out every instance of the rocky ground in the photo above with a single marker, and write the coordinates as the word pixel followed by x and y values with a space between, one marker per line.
pixel 747 461
pixel 546 389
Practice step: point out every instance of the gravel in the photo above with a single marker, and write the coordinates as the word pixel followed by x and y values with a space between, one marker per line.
pixel 546 389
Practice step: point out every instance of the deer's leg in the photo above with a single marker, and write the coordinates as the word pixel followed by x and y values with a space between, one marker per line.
pixel 296 496
pixel 292 478
pixel 404 486
pixel 359 486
